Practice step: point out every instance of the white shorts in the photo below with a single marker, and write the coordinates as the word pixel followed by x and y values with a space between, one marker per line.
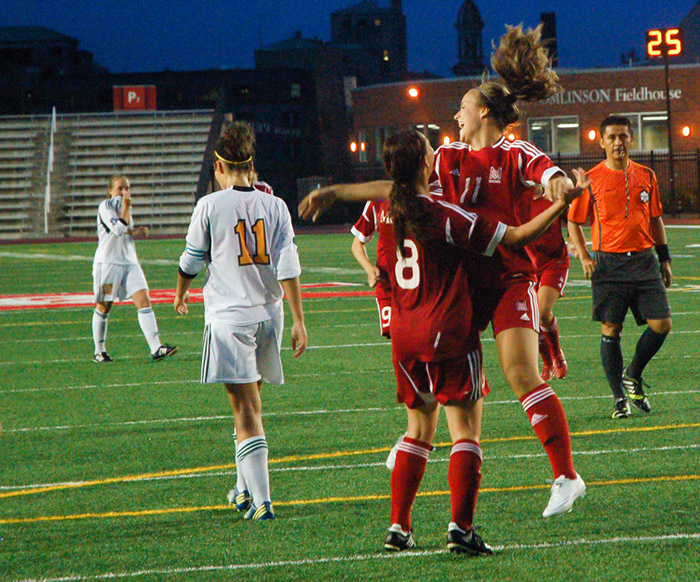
pixel 240 354
pixel 110 282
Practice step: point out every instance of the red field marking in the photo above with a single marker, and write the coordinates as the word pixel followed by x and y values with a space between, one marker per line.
pixel 59 300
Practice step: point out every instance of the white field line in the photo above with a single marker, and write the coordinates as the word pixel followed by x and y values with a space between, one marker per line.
pixel 159 573
pixel 489 458
pixel 311 347
pixel 151 422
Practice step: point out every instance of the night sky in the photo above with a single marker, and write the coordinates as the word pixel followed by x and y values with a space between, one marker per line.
pixel 199 34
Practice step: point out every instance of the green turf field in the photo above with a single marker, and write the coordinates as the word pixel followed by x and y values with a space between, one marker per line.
pixel 120 471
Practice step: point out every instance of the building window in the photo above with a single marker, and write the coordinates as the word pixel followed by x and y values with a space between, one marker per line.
pixel 650 131
pixel 295 90
pixel 432 132
pixel 554 134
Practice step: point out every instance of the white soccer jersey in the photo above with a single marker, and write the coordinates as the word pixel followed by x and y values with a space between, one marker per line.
pixel 246 238
pixel 116 244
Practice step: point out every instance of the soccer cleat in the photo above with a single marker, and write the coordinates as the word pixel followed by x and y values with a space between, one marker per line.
pixel 564 493
pixel 102 358
pixel 547 372
pixel 636 392
pixel 622 409
pixel 241 499
pixel 561 368
pixel 261 513
pixel 461 542
pixel 163 352
pixel 397 540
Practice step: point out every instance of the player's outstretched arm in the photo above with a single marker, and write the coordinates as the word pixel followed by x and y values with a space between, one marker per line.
pixel 300 338
pixel 526 233
pixel 318 201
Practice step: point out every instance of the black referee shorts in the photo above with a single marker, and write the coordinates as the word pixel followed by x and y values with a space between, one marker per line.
pixel 625 281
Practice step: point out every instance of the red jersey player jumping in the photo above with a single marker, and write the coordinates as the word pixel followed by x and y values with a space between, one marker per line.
pixel 487 173
pixel 436 349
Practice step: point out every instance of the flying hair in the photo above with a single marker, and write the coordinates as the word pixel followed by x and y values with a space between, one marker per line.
pixel 525 69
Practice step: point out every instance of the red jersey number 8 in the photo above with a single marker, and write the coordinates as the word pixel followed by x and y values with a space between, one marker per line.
pixel 407 270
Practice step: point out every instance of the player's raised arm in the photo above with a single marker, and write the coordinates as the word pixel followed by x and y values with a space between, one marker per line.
pixel 526 233
pixel 318 201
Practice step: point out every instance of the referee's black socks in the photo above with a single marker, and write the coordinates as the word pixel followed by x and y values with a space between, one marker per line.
pixel 649 343
pixel 611 356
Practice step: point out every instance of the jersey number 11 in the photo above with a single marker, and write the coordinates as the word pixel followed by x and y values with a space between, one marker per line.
pixel 260 257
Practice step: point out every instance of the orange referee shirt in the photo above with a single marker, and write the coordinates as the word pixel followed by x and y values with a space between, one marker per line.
pixel 620 209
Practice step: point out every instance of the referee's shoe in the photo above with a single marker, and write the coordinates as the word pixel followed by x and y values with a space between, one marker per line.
pixel 636 392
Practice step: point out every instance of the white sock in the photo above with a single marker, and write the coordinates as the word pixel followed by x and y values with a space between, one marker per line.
pixel 99 330
pixel 240 479
pixel 149 327
pixel 251 460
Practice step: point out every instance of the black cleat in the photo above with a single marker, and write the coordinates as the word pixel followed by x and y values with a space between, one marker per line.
pixel 622 409
pixel 163 352
pixel 636 392
pixel 102 358
pixel 397 541
pixel 461 542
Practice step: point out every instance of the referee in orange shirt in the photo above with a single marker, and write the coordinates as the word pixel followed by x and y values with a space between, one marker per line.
pixel 625 209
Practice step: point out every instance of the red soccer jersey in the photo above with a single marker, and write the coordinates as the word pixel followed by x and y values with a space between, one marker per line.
pixel 431 316
pixel 551 245
pixel 495 182
pixel 374 213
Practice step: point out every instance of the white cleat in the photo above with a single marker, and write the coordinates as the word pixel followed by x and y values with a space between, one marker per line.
pixel 564 493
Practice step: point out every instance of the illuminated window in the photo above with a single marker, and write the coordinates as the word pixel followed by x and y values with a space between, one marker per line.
pixel 386 55
pixel 554 134
pixel 650 130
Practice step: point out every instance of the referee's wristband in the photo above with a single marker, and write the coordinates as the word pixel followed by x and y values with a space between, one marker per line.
pixel 663 254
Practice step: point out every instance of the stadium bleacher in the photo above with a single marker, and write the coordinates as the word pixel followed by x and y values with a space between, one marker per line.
pixel 161 153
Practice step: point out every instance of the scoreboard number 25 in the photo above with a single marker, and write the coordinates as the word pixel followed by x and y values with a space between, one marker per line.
pixel 664 42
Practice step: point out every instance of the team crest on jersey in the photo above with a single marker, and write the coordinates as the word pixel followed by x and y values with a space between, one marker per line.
pixel 495 175
pixel 644 196
pixel 455 172
pixel 521 305
pixel 384 217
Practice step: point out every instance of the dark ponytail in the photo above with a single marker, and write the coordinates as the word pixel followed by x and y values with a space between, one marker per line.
pixel 404 153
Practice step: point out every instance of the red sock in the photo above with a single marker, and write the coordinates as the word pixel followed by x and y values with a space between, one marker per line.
pixel 547 418
pixel 545 350
pixel 464 476
pixel 551 335
pixel 411 460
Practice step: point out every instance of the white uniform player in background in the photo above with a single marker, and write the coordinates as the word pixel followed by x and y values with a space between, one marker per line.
pixel 116 272
pixel 245 237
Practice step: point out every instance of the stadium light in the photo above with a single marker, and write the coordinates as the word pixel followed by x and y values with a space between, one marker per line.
pixel 363 146
pixel 413 92
pixel 353 146
pixel 511 136
pixel 592 135
pixel 446 140
pixel 685 132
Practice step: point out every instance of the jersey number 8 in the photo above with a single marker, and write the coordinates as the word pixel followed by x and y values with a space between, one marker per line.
pixel 406 270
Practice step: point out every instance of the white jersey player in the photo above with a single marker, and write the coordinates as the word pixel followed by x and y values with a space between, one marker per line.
pixel 117 274
pixel 244 236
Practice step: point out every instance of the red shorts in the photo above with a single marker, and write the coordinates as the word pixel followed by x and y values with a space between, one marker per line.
pixel 554 274
pixel 384 309
pixel 517 307
pixel 447 381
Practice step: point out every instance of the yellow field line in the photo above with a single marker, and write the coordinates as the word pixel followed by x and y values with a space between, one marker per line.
pixel 326 500
pixel 315 457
